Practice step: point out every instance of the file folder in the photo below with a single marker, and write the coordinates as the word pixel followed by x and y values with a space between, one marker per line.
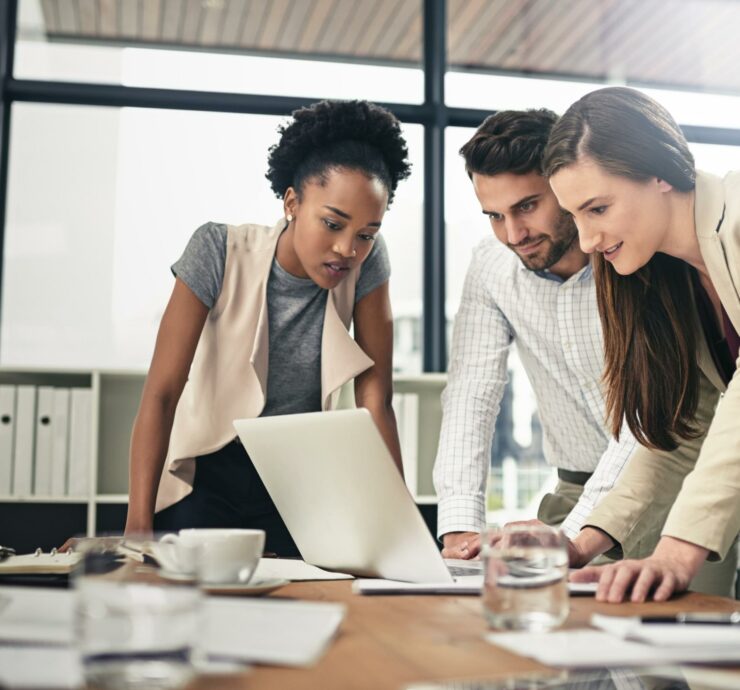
pixel 44 441
pixel 60 442
pixel 80 447
pixel 7 438
pixel 25 424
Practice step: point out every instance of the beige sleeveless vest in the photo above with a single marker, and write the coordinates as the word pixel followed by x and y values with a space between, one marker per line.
pixel 228 376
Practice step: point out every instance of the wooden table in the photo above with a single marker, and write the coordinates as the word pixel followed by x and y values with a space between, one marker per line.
pixel 387 642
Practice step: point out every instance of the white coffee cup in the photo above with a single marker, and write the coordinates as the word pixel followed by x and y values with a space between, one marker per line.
pixel 176 555
pixel 221 556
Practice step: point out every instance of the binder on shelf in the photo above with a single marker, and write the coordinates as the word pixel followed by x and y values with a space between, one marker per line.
pixel 60 442
pixel 44 441
pixel 80 447
pixel 25 424
pixel 406 407
pixel 7 438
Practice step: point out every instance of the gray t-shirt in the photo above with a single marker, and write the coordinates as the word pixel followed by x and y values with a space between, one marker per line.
pixel 295 307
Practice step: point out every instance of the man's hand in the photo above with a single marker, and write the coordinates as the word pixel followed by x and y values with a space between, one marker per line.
pixel 669 570
pixel 463 545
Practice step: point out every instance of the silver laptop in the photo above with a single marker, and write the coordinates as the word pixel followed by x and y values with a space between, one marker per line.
pixel 347 508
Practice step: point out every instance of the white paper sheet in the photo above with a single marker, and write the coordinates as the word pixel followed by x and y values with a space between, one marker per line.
pixel 669 635
pixel 36 615
pixel 595 648
pixel 280 632
pixel 294 570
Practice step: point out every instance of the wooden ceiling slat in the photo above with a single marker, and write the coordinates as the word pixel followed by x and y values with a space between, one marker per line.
pixel 333 25
pixel 273 24
pixel 318 17
pixel 586 14
pixel 534 29
pixel 211 19
pixel 409 47
pixel 385 12
pixel 129 19
pixel 253 23
pixel 67 12
pixel 493 38
pixel 295 20
pixel 716 36
pixel 172 16
pixel 461 16
pixel 50 13
pixel 617 22
pixel 235 15
pixel 108 14
pixel 354 28
pixel 87 12
pixel 151 19
pixel 395 27
pixel 191 24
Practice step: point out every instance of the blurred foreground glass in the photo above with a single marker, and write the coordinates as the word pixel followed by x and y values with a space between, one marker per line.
pixel 132 630
pixel 525 577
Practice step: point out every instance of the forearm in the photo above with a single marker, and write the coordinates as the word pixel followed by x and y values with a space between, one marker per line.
pixel 149 443
pixel 690 556
pixel 385 419
pixel 587 545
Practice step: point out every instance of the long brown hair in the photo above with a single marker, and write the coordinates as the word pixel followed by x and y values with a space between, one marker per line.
pixel 650 368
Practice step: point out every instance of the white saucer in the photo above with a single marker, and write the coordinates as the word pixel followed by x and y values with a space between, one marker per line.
pixel 254 588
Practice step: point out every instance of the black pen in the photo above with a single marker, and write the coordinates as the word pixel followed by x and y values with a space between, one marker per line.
pixel 696 619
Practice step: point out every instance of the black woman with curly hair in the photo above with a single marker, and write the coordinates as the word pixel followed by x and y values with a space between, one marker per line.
pixel 258 324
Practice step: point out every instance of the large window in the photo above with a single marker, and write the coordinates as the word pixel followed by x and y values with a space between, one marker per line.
pixel 133 121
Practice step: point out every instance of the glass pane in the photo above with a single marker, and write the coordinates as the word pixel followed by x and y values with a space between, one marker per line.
pixel 684 45
pixel 519 473
pixel 101 201
pixel 331 48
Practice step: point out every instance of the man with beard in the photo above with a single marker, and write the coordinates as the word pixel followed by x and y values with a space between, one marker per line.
pixel 530 285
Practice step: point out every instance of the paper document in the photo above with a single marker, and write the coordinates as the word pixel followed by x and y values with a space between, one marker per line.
pixel 284 633
pixel 668 634
pixel 595 648
pixel 36 615
pixel 31 667
pixel 294 570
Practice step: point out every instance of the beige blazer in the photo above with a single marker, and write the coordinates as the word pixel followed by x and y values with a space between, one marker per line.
pixel 228 376
pixel 694 490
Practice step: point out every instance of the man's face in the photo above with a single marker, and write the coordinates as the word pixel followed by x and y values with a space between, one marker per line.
pixel 526 217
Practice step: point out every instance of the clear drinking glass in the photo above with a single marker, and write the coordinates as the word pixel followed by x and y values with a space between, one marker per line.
pixel 525 577
pixel 132 629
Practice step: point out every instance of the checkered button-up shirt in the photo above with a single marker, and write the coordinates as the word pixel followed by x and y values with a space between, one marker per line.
pixel 555 326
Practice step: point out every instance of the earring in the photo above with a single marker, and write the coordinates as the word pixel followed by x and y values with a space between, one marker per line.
pixel 289 217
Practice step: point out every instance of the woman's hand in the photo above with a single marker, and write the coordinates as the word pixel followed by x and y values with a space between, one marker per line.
pixel 669 570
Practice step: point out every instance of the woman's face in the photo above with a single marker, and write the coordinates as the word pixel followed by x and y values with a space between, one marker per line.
pixel 334 224
pixel 626 220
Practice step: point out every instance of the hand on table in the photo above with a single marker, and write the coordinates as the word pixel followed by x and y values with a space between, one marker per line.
pixel 464 545
pixel 669 570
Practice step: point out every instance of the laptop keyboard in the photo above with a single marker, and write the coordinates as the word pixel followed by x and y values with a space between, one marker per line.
pixel 475 568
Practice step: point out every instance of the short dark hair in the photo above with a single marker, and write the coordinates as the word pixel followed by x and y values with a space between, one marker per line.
pixel 328 135
pixel 509 141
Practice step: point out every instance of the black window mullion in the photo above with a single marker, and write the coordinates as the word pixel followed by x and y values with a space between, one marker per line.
pixel 435 64
pixel 8 13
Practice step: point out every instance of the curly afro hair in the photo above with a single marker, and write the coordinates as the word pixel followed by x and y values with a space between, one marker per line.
pixel 353 135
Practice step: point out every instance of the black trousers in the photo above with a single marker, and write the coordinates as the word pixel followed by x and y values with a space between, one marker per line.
pixel 228 492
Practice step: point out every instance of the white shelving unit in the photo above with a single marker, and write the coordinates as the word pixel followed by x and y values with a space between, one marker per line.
pixel 115 400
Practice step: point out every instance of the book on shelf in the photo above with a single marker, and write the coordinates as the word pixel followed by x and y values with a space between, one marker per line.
pixel 80 446
pixel 60 442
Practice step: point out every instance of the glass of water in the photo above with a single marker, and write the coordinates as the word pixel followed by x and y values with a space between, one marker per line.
pixel 525 583
pixel 132 629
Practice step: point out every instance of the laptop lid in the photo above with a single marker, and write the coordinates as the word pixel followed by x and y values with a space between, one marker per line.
pixel 345 504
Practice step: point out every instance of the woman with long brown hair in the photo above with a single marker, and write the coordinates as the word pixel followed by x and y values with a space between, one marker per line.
pixel 666 245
